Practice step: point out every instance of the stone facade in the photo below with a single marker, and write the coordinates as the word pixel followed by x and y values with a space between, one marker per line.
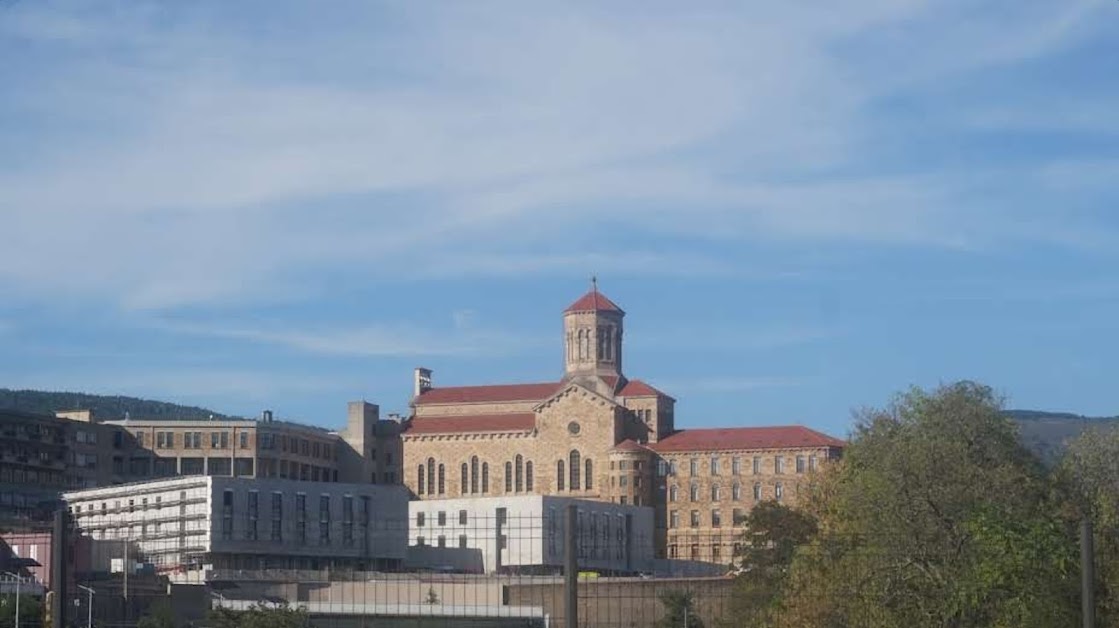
pixel 597 435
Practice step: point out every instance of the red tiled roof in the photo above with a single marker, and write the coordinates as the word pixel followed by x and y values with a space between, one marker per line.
pixel 629 445
pixel 735 438
pixel 483 394
pixel 517 422
pixel 638 388
pixel 593 301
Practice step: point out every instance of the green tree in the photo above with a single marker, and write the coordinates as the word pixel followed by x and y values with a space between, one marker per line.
pixel 30 609
pixel 679 610
pixel 257 616
pixel 1089 471
pixel 773 533
pixel 936 516
pixel 159 615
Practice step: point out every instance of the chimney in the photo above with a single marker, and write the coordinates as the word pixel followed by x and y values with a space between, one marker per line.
pixel 422 381
pixel 266 416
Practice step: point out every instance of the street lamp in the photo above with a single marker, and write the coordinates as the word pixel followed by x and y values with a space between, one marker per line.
pixel 18 580
pixel 89 607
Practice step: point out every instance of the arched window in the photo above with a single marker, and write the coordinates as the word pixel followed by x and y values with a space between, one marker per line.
pixel 757 491
pixel 573 469
pixel 587 482
pixel 580 340
pixel 431 476
pixel 528 476
pixel 693 492
pixel 601 343
pixel 559 475
pixel 585 344
pixel 520 471
pixel 464 476
pixel 673 493
pixel 778 491
pixel 508 477
pixel 485 477
pixel 420 480
pixel 474 474
pixel 716 493
pixel 442 486
pixel 736 492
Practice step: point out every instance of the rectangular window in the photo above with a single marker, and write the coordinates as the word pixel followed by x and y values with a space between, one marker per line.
pixel 757 465
pixel 462 541
pixel 778 465
pixel 419 519
pixel 462 517
pixel 694 520
pixel 736 466
pixel 140 439
pixel 674 519
pixel 693 466
pixel 714 466
pixel 442 541
pixel 277 516
pixel 301 518
pixel 252 516
pixel 442 518
pixel 738 518
pixel 226 515
pixel 244 436
pixel 324 520
pixel 716 519
pixel 347 521
pixel 801 464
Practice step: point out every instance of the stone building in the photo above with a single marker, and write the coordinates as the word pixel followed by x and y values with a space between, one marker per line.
pixel 596 434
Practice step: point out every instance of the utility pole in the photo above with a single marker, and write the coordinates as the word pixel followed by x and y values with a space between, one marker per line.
pixel 126 567
pixel 1087 574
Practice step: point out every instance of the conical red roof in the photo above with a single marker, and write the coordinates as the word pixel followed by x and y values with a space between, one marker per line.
pixel 594 301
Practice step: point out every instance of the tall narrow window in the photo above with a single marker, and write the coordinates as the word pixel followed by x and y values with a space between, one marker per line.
pixel 528 476
pixel 485 477
pixel 673 492
pixel 581 339
pixel 693 492
pixel 736 492
pixel 573 469
pixel 601 337
pixel 442 486
pixel 716 493
pixel 757 491
pixel 587 482
pixel 559 475
pixel 464 476
pixel 778 491
pixel 520 470
pixel 431 476
pixel 420 484
pixel 508 477
pixel 474 474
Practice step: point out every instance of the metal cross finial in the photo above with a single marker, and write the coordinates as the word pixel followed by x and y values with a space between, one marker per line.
pixel 594 283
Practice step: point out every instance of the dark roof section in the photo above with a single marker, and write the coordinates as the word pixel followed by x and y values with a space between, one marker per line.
pixel 488 394
pixel 740 438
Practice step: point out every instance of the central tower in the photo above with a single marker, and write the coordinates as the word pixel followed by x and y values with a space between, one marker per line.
pixel 592 328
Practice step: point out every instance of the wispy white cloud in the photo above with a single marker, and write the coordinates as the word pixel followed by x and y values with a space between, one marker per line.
pixel 381 340
pixel 197 173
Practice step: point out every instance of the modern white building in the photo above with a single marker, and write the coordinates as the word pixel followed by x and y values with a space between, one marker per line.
pixel 525 534
pixel 193 526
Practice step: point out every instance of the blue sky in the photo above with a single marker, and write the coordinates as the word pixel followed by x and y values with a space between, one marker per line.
pixel 803 207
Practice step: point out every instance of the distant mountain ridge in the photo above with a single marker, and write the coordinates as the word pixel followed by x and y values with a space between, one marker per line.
pixel 108 407
pixel 1047 433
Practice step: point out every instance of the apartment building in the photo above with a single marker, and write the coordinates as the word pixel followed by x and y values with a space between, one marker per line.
pixel 41 456
pixel 191 527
